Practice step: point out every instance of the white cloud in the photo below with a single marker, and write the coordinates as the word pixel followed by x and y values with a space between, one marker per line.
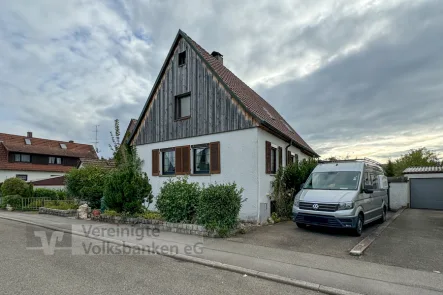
pixel 68 65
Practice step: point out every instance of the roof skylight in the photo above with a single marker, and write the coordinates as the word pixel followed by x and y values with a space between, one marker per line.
pixel 63 146
pixel 27 141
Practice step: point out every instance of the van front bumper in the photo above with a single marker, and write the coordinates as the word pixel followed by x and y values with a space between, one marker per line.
pixel 325 220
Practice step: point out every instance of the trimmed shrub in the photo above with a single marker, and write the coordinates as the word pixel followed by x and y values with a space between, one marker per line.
pixel 14 201
pixel 178 200
pixel 45 193
pixel 16 186
pixel 86 184
pixel 126 189
pixel 219 207
pixel 61 195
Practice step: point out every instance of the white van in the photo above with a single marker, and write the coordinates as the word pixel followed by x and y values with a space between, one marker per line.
pixel 343 194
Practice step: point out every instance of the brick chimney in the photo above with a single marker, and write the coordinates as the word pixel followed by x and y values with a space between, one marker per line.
pixel 29 135
pixel 218 56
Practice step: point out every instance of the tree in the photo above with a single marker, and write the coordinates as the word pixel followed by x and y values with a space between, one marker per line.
pixel 390 169
pixel 87 184
pixel 419 157
pixel 127 187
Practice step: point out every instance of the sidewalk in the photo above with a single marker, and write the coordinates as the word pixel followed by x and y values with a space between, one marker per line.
pixel 351 275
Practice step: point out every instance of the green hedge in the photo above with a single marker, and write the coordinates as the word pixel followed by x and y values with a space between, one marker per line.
pixel 178 200
pixel 45 193
pixel 219 207
pixel 14 201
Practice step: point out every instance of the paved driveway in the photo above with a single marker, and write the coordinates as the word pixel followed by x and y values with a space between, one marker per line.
pixel 413 240
pixel 316 240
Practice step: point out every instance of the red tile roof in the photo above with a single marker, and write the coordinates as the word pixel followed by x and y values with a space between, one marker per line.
pixel 16 143
pixel 253 103
pixel 249 98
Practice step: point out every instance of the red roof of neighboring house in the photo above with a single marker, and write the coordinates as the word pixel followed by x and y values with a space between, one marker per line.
pixel 253 103
pixel 40 146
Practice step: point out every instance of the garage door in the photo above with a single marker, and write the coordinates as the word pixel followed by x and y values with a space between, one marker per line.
pixel 427 193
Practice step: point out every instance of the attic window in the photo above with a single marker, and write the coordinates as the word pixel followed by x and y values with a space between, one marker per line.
pixel 269 114
pixel 27 141
pixel 182 58
pixel 63 146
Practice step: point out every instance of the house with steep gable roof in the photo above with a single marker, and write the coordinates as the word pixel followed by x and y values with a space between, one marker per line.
pixel 201 120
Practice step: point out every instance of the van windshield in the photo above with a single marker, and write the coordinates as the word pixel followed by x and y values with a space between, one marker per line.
pixel 334 180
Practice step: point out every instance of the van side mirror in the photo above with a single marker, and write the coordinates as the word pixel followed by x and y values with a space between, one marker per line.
pixel 302 185
pixel 368 189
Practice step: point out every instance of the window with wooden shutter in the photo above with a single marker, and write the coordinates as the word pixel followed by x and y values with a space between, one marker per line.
pixel 280 156
pixel 178 161
pixel 182 160
pixel 155 162
pixel 268 157
pixel 215 157
pixel 288 158
pixel 186 157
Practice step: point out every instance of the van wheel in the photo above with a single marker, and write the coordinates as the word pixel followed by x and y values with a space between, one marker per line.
pixel 300 225
pixel 383 216
pixel 357 231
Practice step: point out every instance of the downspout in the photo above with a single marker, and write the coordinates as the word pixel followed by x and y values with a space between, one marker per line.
pixel 286 151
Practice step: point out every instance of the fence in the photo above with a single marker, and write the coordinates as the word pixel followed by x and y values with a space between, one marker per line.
pixel 28 204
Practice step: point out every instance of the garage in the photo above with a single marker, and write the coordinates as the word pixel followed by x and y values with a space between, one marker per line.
pixel 426 187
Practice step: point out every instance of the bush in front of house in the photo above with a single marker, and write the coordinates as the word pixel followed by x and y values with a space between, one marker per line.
pixel 45 193
pixel 126 189
pixel 61 194
pixel 219 206
pixel 178 200
pixel 16 186
pixel 15 201
pixel 86 184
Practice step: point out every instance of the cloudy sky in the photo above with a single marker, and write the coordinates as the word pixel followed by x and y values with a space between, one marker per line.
pixel 358 78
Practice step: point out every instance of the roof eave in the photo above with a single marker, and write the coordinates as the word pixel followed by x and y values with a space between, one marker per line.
pixel 307 151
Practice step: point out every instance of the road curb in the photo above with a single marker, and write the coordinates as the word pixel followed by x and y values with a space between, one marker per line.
pixel 206 262
pixel 364 244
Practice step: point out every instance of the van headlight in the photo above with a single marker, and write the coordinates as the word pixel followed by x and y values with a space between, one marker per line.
pixel 296 202
pixel 345 205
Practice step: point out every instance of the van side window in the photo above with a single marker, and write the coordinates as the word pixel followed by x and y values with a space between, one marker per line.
pixel 375 181
pixel 367 179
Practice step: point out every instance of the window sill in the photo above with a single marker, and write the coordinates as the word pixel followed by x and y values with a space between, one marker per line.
pixel 167 175
pixel 182 119
pixel 201 174
pixel 182 65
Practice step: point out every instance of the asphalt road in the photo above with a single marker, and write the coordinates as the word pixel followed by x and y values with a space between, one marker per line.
pixel 25 271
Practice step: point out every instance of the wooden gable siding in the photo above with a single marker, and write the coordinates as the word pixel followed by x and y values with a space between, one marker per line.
pixel 212 108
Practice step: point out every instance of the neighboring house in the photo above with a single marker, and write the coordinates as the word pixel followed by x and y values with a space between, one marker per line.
pixel 31 158
pixel 103 163
pixel 203 121
pixel 54 183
